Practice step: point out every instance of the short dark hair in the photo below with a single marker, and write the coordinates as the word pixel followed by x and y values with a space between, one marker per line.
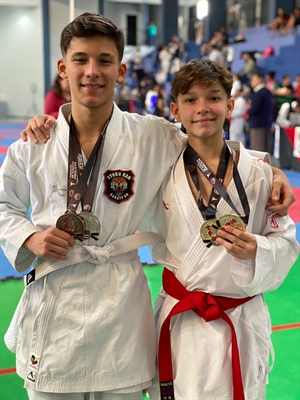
pixel 204 72
pixel 91 24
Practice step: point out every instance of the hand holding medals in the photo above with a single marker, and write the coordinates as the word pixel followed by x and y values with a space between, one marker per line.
pixel 210 227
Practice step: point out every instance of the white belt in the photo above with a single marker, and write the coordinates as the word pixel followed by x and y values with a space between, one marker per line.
pixel 96 255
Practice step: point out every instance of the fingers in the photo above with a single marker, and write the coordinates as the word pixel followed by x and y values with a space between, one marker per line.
pixel 38 129
pixel 237 243
pixel 52 243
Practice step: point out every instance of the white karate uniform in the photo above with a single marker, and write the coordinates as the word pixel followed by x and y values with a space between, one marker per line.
pixel 201 351
pixel 237 124
pixel 89 326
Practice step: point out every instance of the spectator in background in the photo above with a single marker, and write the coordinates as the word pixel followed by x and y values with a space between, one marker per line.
pixel 271 82
pixel 214 54
pixel 284 93
pixel 237 19
pixel 260 114
pixel 181 53
pixel 249 67
pixel 296 88
pixel 279 22
pixel 161 106
pixel 152 33
pixel 293 21
pixel 57 96
pixel 164 57
pixel 237 120
pixel 283 116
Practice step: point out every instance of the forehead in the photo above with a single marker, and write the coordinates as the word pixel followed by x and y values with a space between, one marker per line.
pixel 95 45
pixel 197 88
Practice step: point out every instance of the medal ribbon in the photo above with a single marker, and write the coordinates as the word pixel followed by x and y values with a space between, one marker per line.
pixel 78 174
pixel 192 158
pixel 209 308
pixel 208 212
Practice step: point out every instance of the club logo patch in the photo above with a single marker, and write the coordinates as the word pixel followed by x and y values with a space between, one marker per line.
pixel 118 185
pixel 273 223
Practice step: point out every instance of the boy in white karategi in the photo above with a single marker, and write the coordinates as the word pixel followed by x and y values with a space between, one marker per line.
pixel 85 322
pixel 222 251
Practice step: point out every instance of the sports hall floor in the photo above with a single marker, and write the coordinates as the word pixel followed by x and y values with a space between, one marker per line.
pixel 284 306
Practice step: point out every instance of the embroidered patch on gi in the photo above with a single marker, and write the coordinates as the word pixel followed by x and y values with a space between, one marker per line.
pixel 166 206
pixel 273 223
pixel 34 360
pixel 31 376
pixel 30 277
pixel 118 185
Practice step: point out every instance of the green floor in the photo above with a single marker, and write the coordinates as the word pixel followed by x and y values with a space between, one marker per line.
pixel 284 305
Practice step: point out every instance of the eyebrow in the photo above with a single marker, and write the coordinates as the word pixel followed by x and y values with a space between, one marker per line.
pixel 81 54
pixel 211 91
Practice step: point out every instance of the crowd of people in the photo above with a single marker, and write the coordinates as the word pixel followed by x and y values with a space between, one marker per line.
pixel 284 23
pixel 260 100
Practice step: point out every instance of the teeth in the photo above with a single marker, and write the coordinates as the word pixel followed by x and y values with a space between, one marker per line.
pixel 92 86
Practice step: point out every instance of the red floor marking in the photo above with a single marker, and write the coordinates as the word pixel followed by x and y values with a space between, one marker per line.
pixel 294 210
pixel 3 149
pixel 7 371
pixel 284 327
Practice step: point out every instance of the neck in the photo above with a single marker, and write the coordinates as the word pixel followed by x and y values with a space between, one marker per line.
pixel 89 123
pixel 209 149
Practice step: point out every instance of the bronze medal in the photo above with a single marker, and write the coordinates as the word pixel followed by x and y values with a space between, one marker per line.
pixel 208 232
pixel 92 225
pixel 72 224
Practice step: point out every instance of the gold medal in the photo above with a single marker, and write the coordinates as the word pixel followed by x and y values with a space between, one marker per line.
pixel 208 232
pixel 231 220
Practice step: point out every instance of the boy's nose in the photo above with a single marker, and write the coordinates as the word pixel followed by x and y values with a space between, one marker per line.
pixel 92 70
pixel 202 107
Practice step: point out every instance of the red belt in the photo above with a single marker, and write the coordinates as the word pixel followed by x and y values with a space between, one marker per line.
pixel 207 307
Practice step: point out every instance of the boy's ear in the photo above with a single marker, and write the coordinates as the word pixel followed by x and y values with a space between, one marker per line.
pixel 61 68
pixel 175 111
pixel 230 106
pixel 122 73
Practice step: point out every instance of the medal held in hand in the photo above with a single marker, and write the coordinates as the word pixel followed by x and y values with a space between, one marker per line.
pixel 71 223
pixel 208 232
pixel 92 224
pixel 230 220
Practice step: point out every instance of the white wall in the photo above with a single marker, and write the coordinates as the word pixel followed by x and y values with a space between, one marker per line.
pixel 21 47
pixel 21 61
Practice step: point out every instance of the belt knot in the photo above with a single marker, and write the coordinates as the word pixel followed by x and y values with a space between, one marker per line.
pixel 207 306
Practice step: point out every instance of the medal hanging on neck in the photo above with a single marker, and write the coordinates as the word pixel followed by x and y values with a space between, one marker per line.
pixel 212 224
pixel 82 182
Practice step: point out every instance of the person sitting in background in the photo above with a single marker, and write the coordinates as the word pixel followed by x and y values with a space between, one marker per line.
pixel 296 87
pixel 293 21
pixel 279 22
pixel 283 116
pixel 271 82
pixel 249 67
pixel 57 96
pixel 284 93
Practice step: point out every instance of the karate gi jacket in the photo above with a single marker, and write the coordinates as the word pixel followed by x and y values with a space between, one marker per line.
pixel 88 326
pixel 201 351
